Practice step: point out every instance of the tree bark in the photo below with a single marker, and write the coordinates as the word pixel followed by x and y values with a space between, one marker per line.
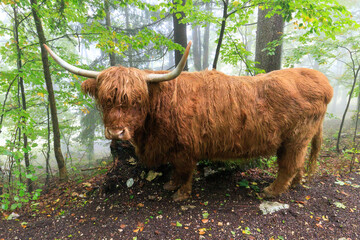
pixel 206 41
pixel 221 35
pixel 196 48
pixel 108 26
pixel 63 175
pixel 47 156
pixel 180 36
pixel 127 24
pixel 356 74
pixel 23 97
pixel 268 30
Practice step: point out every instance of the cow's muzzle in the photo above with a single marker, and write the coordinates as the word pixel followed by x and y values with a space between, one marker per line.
pixel 117 134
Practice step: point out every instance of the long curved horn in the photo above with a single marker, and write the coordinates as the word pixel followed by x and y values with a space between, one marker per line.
pixel 153 77
pixel 71 68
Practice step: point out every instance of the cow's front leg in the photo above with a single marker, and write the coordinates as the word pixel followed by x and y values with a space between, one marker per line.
pixel 184 192
pixel 171 185
pixel 181 179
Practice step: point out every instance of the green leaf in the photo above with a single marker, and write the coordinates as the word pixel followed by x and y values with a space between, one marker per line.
pixel 5 206
pixel 13 206
pixel 339 205
pixel 178 224
pixel 205 214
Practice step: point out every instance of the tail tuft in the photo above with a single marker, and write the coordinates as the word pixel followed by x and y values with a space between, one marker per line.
pixel 315 150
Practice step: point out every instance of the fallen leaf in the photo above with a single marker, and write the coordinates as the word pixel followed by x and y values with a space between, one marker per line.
pixel 339 205
pixel 132 161
pixel 319 225
pixel 341 183
pixel 307 197
pixel 140 205
pixel 344 193
pixel 86 184
pixel 152 175
pixel 205 214
pixel 205 220
pixel 202 231
pixel 122 226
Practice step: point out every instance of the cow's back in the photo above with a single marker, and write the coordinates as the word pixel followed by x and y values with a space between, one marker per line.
pixel 210 114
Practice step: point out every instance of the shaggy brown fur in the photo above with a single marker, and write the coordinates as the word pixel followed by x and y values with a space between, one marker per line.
pixel 212 115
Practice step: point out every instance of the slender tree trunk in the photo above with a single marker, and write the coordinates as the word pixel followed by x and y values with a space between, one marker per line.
pixel 108 26
pixel 23 97
pixel 206 41
pixel 356 73
pixel 196 48
pixel 127 24
pixel 268 30
pixel 221 35
pixel 47 158
pixel 180 36
pixel 55 124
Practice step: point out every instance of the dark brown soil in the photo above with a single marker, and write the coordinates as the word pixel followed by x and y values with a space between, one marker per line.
pixel 220 208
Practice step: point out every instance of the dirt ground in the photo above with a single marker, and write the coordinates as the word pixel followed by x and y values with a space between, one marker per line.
pixel 224 205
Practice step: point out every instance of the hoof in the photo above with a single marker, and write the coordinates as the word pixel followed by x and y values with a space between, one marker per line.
pixel 170 186
pixel 180 196
pixel 268 193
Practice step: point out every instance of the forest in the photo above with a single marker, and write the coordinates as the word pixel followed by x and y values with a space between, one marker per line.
pixel 60 178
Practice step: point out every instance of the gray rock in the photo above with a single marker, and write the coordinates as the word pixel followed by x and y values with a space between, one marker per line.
pixel 271 207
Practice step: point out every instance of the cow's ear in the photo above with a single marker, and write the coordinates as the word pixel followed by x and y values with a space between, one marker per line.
pixel 89 86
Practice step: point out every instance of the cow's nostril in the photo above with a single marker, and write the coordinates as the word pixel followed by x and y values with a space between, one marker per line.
pixel 121 133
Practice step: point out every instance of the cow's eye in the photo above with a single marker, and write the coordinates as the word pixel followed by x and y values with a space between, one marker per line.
pixel 109 103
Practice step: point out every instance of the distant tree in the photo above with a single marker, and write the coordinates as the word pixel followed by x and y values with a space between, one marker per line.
pixel 196 47
pixel 206 40
pixel 108 26
pixel 19 63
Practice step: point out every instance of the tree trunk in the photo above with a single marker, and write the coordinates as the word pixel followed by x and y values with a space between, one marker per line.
pixel 108 26
pixel 221 35
pixel 47 156
pixel 356 73
pixel 23 98
pixel 268 30
pixel 180 36
pixel 55 124
pixel 206 41
pixel 196 48
pixel 127 24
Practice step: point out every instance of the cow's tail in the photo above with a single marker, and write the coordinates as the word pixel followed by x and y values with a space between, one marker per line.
pixel 314 153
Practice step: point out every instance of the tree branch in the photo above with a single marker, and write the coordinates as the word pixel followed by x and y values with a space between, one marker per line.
pixel 6 96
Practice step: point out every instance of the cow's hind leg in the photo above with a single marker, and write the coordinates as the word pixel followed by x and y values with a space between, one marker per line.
pixel 291 164
pixel 298 177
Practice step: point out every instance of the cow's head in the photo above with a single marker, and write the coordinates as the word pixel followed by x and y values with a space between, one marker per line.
pixel 121 93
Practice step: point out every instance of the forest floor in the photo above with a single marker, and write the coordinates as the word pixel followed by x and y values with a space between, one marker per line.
pixel 224 205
